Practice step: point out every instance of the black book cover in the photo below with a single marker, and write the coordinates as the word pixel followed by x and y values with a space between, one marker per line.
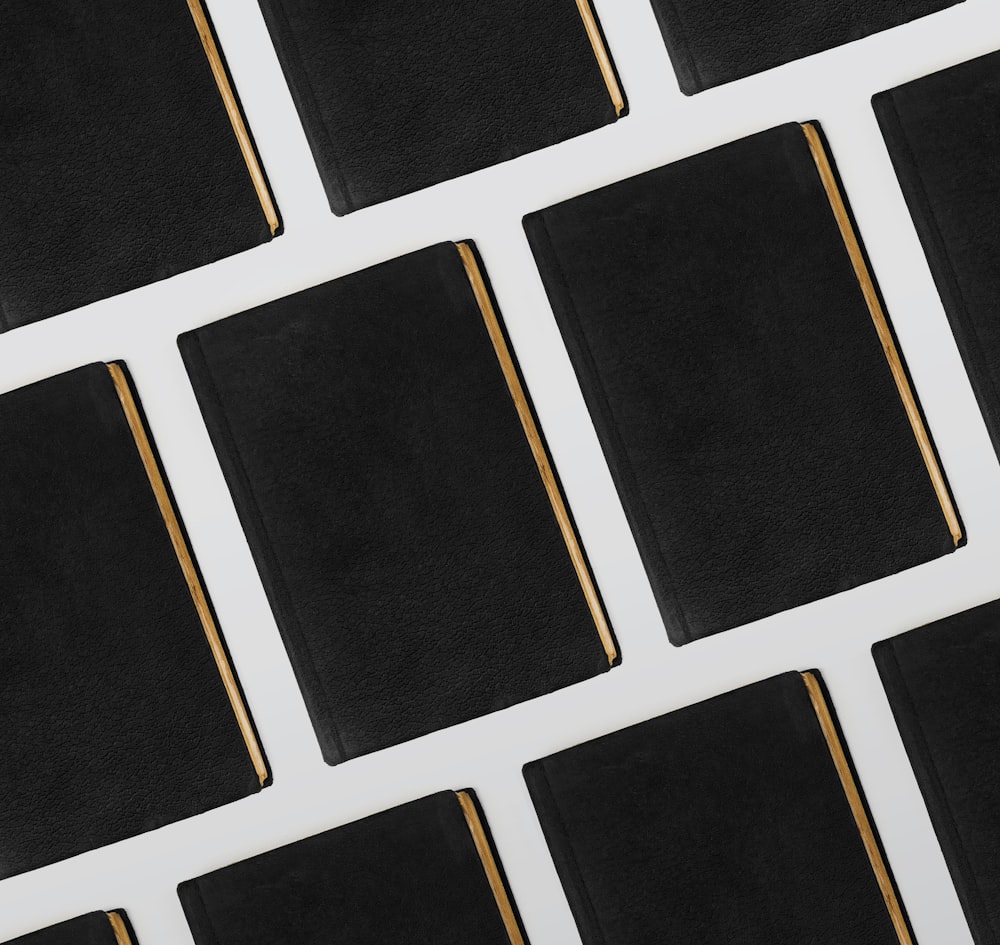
pixel 711 42
pixel 397 96
pixel 942 681
pixel 744 381
pixel 119 159
pixel 398 500
pixel 118 709
pixel 944 149
pixel 95 928
pixel 737 819
pixel 421 872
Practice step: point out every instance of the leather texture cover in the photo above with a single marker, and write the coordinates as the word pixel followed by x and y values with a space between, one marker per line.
pixel 113 716
pixel 118 163
pixel 711 42
pixel 942 681
pixel 94 928
pixel 722 822
pixel 411 874
pixel 395 96
pixel 738 386
pixel 392 503
pixel 944 150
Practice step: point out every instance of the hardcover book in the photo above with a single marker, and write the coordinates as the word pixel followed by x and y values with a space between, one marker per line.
pixel 422 872
pixel 711 42
pixel 125 157
pixel 119 711
pixel 738 819
pixel 397 496
pixel 395 96
pixel 941 682
pixel 95 928
pixel 944 153
pixel 744 381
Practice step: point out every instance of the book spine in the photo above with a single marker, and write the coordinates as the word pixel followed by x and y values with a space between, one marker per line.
pixel 602 416
pixel 317 133
pixel 214 414
pixel 945 278
pixel 675 39
pixel 561 847
pixel 935 798
pixel 196 914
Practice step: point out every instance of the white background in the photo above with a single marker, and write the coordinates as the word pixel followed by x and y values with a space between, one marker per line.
pixel 833 635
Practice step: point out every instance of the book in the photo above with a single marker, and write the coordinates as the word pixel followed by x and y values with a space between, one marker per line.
pixel 119 710
pixel 943 153
pixel 421 872
pixel 397 97
pixel 744 381
pixel 940 681
pixel 399 501
pixel 711 43
pixel 125 155
pixel 95 928
pixel 738 819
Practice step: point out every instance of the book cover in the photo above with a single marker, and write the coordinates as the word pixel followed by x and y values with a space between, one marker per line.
pixel 124 152
pixel 744 381
pixel 119 711
pixel 738 819
pixel 95 928
pixel 421 872
pixel 712 42
pixel 396 493
pixel 941 681
pixel 943 149
pixel 395 97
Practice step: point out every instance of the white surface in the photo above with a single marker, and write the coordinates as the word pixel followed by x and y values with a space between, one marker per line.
pixel 833 635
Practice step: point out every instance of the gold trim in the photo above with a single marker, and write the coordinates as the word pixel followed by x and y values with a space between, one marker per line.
pixel 233 110
pixel 857 808
pixel 601 54
pixel 118 924
pixel 490 867
pixel 188 568
pixel 882 327
pixel 538 449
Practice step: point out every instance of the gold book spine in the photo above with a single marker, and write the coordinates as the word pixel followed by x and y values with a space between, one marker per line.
pixel 121 932
pixel 601 54
pixel 166 508
pixel 490 868
pixel 857 806
pixel 527 419
pixel 882 328
pixel 235 116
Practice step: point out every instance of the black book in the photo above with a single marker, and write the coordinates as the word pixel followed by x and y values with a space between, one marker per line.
pixel 399 502
pixel 421 872
pixel 942 681
pixel 738 819
pixel 119 711
pixel 716 41
pixel 396 96
pixel 744 382
pixel 124 157
pixel 944 150
pixel 95 928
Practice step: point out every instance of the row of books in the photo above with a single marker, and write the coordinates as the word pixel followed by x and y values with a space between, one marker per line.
pixel 735 819
pixel 109 108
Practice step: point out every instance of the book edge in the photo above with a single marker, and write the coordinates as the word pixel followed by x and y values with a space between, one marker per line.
pixel 602 55
pixel 831 736
pixel 232 107
pixel 119 928
pixel 931 788
pixel 181 550
pixel 880 321
pixel 538 451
